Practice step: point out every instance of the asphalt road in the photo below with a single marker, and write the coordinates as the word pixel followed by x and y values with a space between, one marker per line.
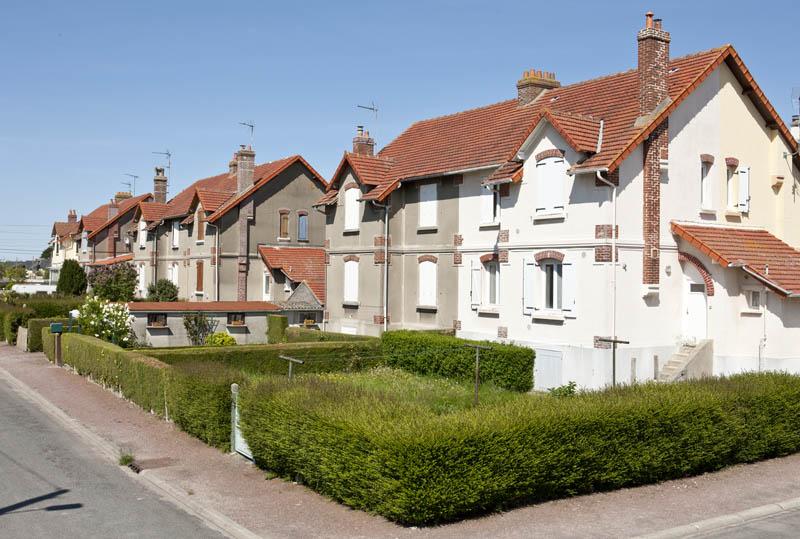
pixel 786 524
pixel 53 485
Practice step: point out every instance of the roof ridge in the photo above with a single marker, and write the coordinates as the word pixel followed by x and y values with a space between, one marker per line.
pixel 465 111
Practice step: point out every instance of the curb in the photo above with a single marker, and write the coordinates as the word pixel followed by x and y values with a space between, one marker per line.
pixel 726 521
pixel 212 518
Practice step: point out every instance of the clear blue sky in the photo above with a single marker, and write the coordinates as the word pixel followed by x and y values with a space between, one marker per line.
pixel 89 89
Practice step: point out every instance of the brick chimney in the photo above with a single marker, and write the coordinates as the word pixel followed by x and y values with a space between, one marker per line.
pixel 160 186
pixel 533 83
pixel 122 195
pixel 245 167
pixel 232 166
pixel 653 70
pixel 72 216
pixel 113 208
pixel 363 144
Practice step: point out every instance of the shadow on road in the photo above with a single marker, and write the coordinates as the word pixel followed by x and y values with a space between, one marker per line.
pixel 30 501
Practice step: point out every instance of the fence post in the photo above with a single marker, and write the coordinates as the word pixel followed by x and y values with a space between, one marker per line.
pixel 655 367
pixel 57 350
pixel 234 404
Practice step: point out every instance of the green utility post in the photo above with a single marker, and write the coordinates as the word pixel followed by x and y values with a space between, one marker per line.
pixel 478 348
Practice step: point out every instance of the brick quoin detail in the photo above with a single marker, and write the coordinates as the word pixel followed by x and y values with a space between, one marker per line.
pixel 350 258
pixel 326 315
pixel 427 258
pixel 604 232
pixel 378 241
pixel 731 162
pixel 599 344
pixel 654 148
pixel 707 158
pixel 502 236
pixel 549 153
pixel 458 240
pixel 602 253
pixel 548 255
pixel 704 273
pixel 457 258
pixel 380 258
pixel 502 257
pixel 377 319
pixel 457 325
pixel 502 332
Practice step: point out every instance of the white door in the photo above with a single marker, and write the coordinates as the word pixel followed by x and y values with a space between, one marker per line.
pixel 695 311
pixel 547 369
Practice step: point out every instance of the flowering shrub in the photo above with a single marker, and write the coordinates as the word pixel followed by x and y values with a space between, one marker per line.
pixel 220 339
pixel 106 320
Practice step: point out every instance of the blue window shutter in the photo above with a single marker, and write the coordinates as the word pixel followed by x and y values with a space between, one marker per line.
pixel 302 225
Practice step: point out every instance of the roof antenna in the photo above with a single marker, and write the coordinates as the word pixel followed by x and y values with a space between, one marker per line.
pixel 371 107
pixel 252 128
pixel 168 155
pixel 131 184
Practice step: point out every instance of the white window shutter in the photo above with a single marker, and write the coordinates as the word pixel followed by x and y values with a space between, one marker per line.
pixel 351 281
pixel 558 179
pixel 542 202
pixel 351 209
pixel 744 189
pixel 475 285
pixel 528 286
pixel 427 283
pixel 427 204
pixel 487 205
pixel 569 284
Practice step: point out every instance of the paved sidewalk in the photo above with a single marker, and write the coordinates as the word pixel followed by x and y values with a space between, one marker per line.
pixel 274 508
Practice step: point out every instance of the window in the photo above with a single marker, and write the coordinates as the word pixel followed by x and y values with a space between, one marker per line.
pixel 427 284
pixel 552 285
pixel 491 290
pixel 199 277
pixel 283 230
pixel 200 223
pixel 142 280
pixel 266 284
pixel 287 285
pixel 56 243
pixel 142 234
pixel 235 319
pixel 551 177
pixel 351 209
pixel 84 240
pixel 490 205
pixel 351 281
pixel 176 228
pixel 705 186
pixel 302 227
pixel 549 289
pixel 156 320
pixel 731 189
pixel 173 273
pixel 427 205
pixel 754 300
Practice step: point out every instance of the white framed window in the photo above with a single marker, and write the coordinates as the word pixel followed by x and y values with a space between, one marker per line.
pixel 175 235
pixel 552 285
pixel 705 186
pixel 351 281
pixel 551 187
pixel 732 198
pixel 549 289
pixel 428 193
pixel 491 284
pixel 174 273
pixel 754 298
pixel 266 285
pixel 352 209
pixel 490 205
pixel 142 234
pixel 427 296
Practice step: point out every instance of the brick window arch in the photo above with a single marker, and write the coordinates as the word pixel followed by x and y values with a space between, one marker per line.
pixel 427 258
pixel 548 255
pixel 350 258
pixel 704 273
pixel 549 153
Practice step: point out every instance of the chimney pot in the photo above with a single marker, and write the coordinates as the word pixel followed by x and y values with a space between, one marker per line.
pixel 363 144
pixel 533 83
pixel 648 19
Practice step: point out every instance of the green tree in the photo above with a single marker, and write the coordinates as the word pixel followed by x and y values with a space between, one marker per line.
pixel 14 273
pixel 47 254
pixel 72 279
pixel 114 283
pixel 162 290
pixel 198 327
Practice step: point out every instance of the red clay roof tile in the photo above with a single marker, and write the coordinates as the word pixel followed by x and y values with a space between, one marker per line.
pixel 300 264
pixel 203 306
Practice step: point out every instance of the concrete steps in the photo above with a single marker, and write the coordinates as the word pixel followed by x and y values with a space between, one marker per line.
pixel 675 369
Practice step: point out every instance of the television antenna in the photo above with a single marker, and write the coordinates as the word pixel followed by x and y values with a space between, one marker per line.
pixel 132 183
pixel 252 127
pixel 166 153
pixel 372 107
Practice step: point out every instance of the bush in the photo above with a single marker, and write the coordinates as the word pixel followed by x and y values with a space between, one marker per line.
pixel 13 320
pixel 162 290
pixel 220 339
pixel 48 344
pixel 505 365
pixel 198 326
pixel 296 334
pixel 72 279
pixel 35 326
pixel 276 328
pixel 106 320
pixel 263 359
pixel 116 282
pixel 412 464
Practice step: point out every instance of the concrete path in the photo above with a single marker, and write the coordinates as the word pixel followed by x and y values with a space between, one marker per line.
pixel 236 490
pixel 55 485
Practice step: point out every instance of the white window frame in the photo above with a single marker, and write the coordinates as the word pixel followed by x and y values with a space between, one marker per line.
pixel 705 186
pixel 427 284
pixel 352 207
pixel 491 268
pixel 176 230
pixel 350 290
pixel 489 200
pixel 732 200
pixel 750 306
pixel 266 285
pixel 552 269
pixel 428 205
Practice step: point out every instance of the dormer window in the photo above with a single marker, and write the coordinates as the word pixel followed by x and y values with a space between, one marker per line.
pixel 490 205
pixel 200 224
pixel 352 208
pixel 142 234
pixel 551 186
pixel 176 228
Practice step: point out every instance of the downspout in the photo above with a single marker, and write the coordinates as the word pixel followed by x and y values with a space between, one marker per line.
pixel 385 263
pixel 216 255
pixel 599 176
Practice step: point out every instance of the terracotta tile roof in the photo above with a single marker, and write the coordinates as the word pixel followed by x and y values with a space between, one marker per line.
pixel 492 135
pixel 181 204
pixel 328 198
pixel 203 306
pixel 62 229
pixel 300 264
pixel 212 199
pixel 113 260
pixel 124 207
pixel 763 255
pixel 153 211
pixel 510 171
pixel 263 174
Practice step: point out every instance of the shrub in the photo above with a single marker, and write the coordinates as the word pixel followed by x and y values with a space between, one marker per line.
pixel 263 359
pixel 220 339
pixel 162 290
pixel 106 320
pixel 409 463
pixel 116 282
pixel 72 279
pixel 505 365
pixel 48 344
pixel 13 320
pixel 35 326
pixel 296 334
pixel 198 326
pixel 276 328
pixel 567 390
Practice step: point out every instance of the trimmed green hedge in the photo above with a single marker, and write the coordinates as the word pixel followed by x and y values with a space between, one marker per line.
pixel 13 320
pixel 422 352
pixel 263 359
pixel 297 334
pixel 35 326
pixel 276 328
pixel 405 461
pixel 23 309
pixel 48 344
